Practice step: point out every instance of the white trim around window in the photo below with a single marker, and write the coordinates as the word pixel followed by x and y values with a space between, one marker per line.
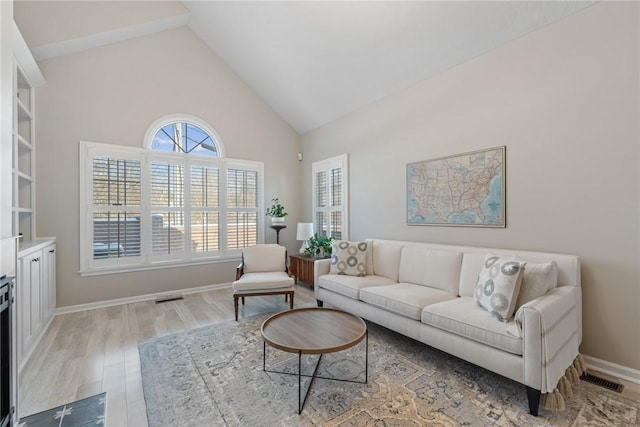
pixel 330 196
pixel 183 118
pixel 119 190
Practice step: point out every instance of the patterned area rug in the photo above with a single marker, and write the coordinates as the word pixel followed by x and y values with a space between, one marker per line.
pixel 90 411
pixel 213 377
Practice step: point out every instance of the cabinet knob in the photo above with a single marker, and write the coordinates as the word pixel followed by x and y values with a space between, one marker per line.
pixel 52 251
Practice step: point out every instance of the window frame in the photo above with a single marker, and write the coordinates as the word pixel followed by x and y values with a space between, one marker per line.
pixel 146 261
pixel 338 162
pixel 184 118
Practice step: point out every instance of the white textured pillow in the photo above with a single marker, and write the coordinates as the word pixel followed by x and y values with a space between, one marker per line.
pixel 538 279
pixel 498 286
pixel 348 258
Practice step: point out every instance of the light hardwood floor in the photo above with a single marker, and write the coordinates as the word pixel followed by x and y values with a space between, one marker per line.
pixel 88 352
pixel 92 351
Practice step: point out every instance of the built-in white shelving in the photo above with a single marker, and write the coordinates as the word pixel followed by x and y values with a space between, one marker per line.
pixel 23 164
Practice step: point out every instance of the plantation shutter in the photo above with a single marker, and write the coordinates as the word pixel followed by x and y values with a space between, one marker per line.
pixel 167 180
pixel 142 208
pixel 205 208
pixel 242 207
pixel 112 214
pixel 329 179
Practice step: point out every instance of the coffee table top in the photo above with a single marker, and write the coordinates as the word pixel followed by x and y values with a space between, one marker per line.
pixel 313 330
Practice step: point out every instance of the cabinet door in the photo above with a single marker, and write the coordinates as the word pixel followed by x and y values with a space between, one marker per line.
pixel 36 292
pixel 28 305
pixel 23 307
pixel 48 281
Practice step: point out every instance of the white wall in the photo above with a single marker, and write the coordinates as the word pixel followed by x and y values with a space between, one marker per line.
pixel 565 102
pixel 111 95
pixel 6 115
pixel 40 21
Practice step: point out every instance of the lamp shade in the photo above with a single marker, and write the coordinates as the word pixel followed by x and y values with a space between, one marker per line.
pixel 305 231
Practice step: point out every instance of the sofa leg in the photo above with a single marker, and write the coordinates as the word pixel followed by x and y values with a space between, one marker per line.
pixel 534 400
pixel 320 303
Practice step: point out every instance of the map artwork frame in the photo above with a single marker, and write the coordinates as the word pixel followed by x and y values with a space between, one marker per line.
pixel 462 190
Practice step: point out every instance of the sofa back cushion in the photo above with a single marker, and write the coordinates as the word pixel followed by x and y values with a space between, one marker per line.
pixel 386 260
pixel 436 269
pixel 472 264
pixel 538 279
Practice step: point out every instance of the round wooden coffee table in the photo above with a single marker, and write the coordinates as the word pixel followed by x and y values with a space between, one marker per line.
pixel 313 331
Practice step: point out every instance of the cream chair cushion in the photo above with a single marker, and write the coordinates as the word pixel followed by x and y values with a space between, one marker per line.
pixel 264 281
pixel 259 258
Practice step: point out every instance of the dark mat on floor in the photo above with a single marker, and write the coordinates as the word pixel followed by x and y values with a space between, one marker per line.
pixel 85 412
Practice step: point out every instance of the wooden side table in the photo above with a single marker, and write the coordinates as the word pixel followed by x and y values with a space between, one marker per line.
pixel 302 268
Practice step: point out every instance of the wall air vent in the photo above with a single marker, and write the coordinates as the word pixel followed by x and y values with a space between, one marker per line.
pixel 167 298
pixel 597 379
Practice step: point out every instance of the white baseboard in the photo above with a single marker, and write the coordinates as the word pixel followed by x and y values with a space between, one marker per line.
pixel 138 298
pixel 25 357
pixel 613 369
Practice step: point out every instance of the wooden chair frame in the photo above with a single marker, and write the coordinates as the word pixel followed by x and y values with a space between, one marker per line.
pixel 288 294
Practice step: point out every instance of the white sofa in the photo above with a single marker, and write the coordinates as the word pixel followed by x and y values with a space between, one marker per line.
pixel 426 291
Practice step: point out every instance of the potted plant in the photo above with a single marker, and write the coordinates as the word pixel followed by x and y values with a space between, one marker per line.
pixel 276 212
pixel 319 246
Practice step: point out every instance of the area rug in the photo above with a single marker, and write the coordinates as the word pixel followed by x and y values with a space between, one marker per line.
pixel 213 376
pixel 90 411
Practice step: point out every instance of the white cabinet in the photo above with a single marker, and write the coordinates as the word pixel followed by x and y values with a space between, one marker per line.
pixel 35 294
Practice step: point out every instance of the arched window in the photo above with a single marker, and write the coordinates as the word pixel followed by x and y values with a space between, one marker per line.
pixel 176 201
pixel 184 134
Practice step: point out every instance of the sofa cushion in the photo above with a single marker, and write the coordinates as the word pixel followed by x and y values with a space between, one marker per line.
pixel 386 260
pixel 369 258
pixel 538 279
pixel 436 269
pixel 462 316
pixel 471 266
pixel 498 286
pixel 348 258
pixel 405 299
pixel 350 286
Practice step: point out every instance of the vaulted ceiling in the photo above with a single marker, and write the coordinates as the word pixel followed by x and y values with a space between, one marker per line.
pixel 312 62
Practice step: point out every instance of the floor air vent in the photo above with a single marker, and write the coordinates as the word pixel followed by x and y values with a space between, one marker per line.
pixel 597 379
pixel 167 298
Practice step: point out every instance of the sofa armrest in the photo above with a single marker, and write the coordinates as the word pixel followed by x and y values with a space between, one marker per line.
pixel 551 334
pixel 320 268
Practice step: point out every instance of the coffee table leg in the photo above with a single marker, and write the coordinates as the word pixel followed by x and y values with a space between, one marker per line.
pixel 312 376
pixel 300 404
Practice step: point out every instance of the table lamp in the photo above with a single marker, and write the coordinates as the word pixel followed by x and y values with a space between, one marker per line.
pixel 304 232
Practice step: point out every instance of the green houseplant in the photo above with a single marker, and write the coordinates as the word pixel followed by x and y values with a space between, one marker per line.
pixel 319 246
pixel 276 211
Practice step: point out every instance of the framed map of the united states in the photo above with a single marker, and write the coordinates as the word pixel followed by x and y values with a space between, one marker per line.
pixel 461 190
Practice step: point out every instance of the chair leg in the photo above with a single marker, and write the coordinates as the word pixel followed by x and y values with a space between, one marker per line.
pixel 235 306
pixel 286 297
pixel 291 302
pixel 242 300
